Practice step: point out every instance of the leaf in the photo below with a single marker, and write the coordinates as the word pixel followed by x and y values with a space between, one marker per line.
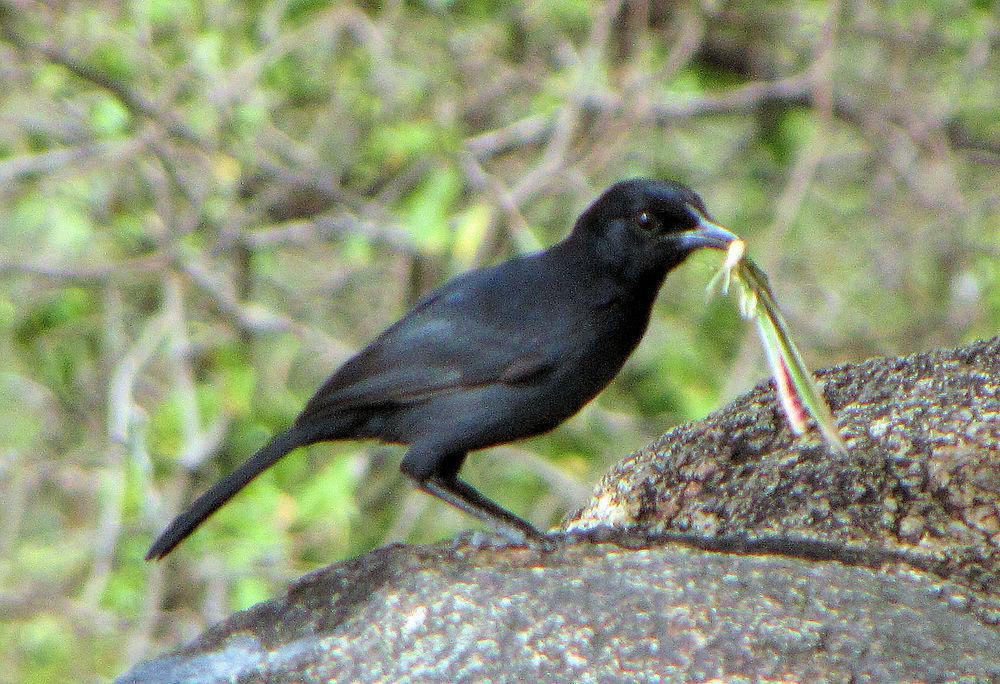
pixel 797 390
pixel 429 209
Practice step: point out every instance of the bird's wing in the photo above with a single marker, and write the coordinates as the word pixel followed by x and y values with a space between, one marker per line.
pixel 472 332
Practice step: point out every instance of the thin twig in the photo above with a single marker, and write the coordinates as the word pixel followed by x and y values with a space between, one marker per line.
pixel 135 101
pixel 322 228
pixel 17 168
pixel 126 374
pixel 87 276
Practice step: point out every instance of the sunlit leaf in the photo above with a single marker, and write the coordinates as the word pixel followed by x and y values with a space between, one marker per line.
pixel 470 229
pixel 109 117
pixel 430 208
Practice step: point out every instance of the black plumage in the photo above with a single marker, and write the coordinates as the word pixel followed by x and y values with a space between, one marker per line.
pixel 499 353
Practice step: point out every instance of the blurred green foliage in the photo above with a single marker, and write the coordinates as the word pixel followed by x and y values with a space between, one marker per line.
pixel 205 207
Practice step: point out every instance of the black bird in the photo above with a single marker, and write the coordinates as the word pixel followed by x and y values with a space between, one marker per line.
pixel 498 353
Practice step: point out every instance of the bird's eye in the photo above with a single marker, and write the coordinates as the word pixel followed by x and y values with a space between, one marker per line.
pixel 645 220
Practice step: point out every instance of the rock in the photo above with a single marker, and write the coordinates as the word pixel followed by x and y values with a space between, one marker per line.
pixel 729 549
pixel 922 477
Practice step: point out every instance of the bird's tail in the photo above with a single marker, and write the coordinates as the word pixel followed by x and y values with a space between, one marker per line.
pixel 206 504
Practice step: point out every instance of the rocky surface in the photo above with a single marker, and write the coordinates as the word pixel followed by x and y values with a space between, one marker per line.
pixel 922 476
pixel 728 549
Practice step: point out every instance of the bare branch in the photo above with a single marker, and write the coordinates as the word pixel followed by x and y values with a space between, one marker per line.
pixel 89 276
pixel 134 101
pixel 15 169
pixel 323 228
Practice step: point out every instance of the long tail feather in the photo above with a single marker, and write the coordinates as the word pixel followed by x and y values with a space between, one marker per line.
pixel 206 504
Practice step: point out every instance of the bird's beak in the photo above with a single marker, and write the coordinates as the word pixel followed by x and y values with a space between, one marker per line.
pixel 707 235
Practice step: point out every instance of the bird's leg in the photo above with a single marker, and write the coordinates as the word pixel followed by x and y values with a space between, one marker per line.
pixel 468 500
pixel 435 471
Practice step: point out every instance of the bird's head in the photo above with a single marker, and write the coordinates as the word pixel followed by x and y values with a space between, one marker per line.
pixel 651 225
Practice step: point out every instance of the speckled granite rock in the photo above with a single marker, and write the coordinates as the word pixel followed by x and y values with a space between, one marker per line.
pixel 879 567
pixel 584 611
pixel 922 476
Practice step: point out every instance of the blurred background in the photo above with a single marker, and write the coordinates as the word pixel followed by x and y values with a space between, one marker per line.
pixel 206 206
